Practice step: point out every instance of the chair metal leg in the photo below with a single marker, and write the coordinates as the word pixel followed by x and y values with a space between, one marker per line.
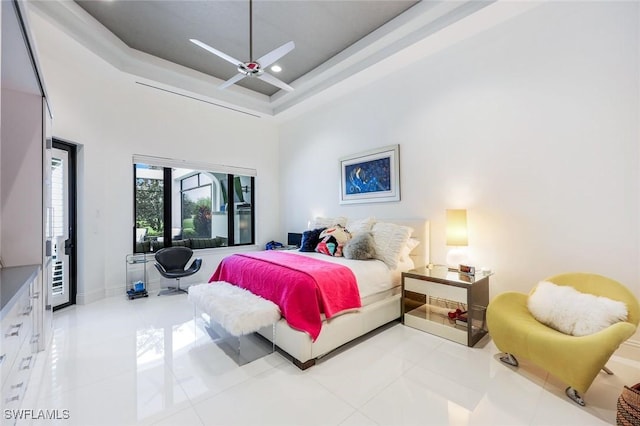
pixel 574 396
pixel 173 290
pixel 509 359
pixel 606 370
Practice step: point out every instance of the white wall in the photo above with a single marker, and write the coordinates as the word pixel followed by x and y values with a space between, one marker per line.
pixel 111 118
pixel 532 126
pixel 21 171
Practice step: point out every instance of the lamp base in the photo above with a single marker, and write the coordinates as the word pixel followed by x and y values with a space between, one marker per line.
pixel 457 256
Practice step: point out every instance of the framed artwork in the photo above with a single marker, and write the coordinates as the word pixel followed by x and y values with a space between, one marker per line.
pixel 371 176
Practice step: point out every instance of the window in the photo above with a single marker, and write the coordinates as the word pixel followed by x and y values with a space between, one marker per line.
pixel 198 207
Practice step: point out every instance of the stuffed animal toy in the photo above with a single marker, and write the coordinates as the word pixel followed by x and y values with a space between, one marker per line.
pixel 332 240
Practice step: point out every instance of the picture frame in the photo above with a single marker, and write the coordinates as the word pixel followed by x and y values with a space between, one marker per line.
pixel 371 176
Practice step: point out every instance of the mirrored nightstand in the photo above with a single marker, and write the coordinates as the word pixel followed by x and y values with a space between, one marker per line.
pixel 446 303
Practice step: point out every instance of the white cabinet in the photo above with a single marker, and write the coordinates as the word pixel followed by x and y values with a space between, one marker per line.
pixel 25 309
pixel 19 333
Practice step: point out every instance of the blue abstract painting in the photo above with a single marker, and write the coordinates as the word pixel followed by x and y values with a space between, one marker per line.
pixel 371 177
pixel 368 176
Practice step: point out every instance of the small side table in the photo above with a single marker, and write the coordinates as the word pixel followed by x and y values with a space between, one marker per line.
pixel 430 293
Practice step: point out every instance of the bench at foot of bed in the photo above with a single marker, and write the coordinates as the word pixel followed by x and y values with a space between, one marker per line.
pixel 237 310
pixel 230 313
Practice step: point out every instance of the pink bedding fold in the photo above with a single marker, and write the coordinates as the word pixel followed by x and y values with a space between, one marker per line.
pixel 302 287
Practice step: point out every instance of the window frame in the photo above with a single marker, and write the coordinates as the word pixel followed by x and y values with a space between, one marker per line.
pixel 167 166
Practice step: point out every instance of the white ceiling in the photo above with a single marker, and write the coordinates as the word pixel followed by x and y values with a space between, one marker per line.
pixel 335 41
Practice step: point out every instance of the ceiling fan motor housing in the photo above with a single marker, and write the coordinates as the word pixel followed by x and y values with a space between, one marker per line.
pixel 250 69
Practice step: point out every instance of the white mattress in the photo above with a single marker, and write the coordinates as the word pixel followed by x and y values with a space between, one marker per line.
pixel 375 297
pixel 375 280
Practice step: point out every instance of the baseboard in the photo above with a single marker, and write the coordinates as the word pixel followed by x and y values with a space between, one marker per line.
pixel 115 291
pixel 629 349
pixel 121 290
pixel 85 298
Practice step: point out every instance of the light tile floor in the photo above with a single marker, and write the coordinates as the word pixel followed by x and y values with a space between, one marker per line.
pixel 122 362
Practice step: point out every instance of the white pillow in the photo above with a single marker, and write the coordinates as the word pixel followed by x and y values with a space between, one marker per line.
pixel 571 312
pixel 390 239
pixel 326 222
pixel 405 253
pixel 359 226
pixel 405 264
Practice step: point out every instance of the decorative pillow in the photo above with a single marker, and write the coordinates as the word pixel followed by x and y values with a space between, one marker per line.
pixel 326 222
pixel 310 239
pixel 390 240
pixel 356 227
pixel 569 311
pixel 360 247
pixel 332 240
pixel 405 253
pixel 405 264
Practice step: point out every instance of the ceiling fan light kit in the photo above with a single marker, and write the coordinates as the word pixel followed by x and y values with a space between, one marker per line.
pixel 252 68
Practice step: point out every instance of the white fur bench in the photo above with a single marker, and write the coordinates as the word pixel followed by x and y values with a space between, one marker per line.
pixel 237 310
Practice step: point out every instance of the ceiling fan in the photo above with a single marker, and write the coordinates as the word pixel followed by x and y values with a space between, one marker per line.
pixel 252 68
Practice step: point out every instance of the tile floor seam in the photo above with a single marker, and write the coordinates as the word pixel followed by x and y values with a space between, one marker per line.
pixel 537 405
pixel 217 392
pixel 227 389
pixel 372 396
pixel 368 418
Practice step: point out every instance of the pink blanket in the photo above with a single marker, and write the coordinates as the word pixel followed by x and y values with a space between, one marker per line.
pixel 302 287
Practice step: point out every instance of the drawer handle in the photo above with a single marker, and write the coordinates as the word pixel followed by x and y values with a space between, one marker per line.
pixel 13 398
pixel 18 386
pixel 25 364
pixel 27 310
pixel 35 338
pixel 14 330
pixel 2 357
pixel 35 295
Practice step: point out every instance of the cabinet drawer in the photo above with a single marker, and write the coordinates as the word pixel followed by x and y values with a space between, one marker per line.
pixel 14 387
pixel 20 351
pixel 441 291
pixel 17 327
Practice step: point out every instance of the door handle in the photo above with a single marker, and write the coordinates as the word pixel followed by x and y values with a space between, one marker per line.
pixel 68 246
pixel 14 330
pixel 25 364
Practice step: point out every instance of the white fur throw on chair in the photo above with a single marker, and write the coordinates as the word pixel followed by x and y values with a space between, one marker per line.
pixel 571 312
pixel 237 310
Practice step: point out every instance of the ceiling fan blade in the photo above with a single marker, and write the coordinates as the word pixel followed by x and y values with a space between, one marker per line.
pixel 216 52
pixel 236 78
pixel 272 80
pixel 276 54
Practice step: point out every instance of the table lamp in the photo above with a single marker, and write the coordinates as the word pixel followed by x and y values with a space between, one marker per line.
pixel 457 237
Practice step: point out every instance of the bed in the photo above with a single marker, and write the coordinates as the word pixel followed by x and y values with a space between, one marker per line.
pixel 377 293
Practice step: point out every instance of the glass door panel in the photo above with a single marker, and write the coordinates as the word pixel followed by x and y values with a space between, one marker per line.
pixel 60 227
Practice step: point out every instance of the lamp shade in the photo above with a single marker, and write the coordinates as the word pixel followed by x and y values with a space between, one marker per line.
pixel 457 228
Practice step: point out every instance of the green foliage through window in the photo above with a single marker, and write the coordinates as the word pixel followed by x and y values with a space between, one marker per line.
pixel 149 204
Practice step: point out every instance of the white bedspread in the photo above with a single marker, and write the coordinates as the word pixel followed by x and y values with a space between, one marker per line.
pixel 372 276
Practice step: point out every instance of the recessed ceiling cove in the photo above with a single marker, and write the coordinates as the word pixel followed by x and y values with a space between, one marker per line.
pixel 319 29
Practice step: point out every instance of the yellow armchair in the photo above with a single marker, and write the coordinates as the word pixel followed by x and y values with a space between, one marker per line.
pixel 574 360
